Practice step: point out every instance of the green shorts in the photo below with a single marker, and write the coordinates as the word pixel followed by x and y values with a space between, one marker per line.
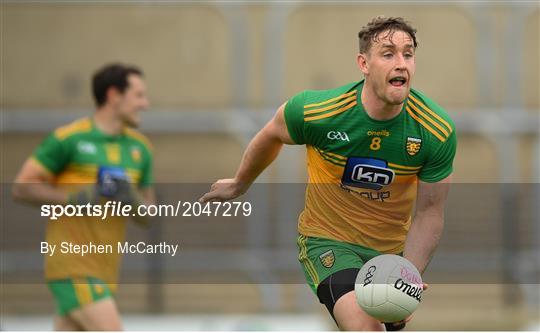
pixel 322 257
pixel 72 294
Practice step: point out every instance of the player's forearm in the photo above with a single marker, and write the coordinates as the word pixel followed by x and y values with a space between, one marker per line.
pixel 146 197
pixel 141 220
pixel 38 193
pixel 423 238
pixel 261 151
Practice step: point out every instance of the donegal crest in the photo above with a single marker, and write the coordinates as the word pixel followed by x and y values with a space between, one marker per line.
pixel 136 154
pixel 413 145
pixel 328 258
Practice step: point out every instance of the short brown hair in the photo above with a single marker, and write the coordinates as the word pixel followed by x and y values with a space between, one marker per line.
pixel 370 33
pixel 112 75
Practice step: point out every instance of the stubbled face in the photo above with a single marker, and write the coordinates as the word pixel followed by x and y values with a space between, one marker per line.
pixel 389 66
pixel 134 100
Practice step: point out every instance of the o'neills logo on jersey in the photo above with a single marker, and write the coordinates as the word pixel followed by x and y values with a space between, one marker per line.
pixel 378 133
pixel 413 145
pixel 335 135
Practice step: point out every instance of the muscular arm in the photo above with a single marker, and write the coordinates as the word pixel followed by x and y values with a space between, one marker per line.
pixel 427 224
pixel 263 148
pixel 261 151
pixel 33 185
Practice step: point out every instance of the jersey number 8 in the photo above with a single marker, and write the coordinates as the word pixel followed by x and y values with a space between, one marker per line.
pixel 375 143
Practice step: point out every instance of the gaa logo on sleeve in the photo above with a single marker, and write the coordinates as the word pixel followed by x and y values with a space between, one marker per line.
pixel 370 173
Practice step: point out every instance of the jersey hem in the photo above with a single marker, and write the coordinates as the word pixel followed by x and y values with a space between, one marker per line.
pixel 311 234
pixel 437 179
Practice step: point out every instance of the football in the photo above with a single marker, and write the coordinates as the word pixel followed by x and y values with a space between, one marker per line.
pixel 388 288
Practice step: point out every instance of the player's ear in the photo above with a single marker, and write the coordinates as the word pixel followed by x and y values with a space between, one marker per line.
pixel 113 95
pixel 361 61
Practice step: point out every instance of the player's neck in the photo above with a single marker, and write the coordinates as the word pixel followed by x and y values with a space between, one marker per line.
pixel 107 123
pixel 375 107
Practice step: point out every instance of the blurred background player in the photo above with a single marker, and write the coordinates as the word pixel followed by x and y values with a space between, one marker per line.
pixel 64 170
pixel 374 147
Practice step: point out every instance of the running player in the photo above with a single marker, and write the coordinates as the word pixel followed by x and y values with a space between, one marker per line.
pixel 375 148
pixel 64 170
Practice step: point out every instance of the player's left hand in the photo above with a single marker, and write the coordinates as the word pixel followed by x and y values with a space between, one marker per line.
pixel 399 325
pixel 223 190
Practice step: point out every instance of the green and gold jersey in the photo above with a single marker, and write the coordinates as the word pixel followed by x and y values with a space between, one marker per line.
pixel 363 173
pixel 73 154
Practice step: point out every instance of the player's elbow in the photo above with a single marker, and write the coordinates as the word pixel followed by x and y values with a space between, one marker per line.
pixel 429 216
pixel 22 188
pixel 18 191
pixel 430 222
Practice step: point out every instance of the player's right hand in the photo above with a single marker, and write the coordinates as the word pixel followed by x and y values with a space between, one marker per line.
pixel 223 190
pixel 398 326
pixel 127 193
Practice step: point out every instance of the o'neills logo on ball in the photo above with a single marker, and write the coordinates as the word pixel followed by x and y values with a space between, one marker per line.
pixel 409 289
